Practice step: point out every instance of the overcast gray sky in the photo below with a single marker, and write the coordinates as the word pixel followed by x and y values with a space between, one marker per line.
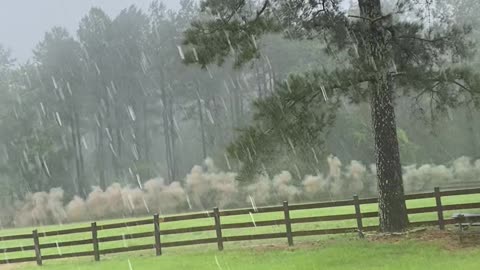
pixel 24 22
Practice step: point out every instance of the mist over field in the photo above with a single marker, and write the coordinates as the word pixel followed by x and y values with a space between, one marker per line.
pixel 112 109
pixel 206 187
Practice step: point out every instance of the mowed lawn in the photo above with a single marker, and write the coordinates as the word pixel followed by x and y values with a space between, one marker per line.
pixel 247 255
pixel 341 254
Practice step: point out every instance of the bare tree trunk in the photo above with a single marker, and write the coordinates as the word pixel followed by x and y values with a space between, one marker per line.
pixel 80 153
pixel 257 76
pixel 136 123
pixel 212 128
pixel 471 131
pixel 173 135
pixel 271 75
pixel 264 77
pixel 392 209
pixel 111 144
pixel 146 138
pixel 217 134
pixel 78 185
pixel 118 135
pixel 237 103
pixel 202 124
pixel 268 74
pixel 233 110
pixel 101 153
pixel 166 129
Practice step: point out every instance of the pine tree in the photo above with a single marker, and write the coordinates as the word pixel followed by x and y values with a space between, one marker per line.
pixel 379 53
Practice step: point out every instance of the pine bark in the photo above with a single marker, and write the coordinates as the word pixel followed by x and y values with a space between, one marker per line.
pixel 391 198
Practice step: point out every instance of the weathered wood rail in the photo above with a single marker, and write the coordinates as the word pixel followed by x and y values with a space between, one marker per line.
pixel 289 234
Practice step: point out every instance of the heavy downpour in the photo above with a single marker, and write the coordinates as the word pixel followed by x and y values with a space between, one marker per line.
pixel 247 134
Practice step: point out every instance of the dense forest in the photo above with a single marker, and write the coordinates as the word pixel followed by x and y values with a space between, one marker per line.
pixel 122 101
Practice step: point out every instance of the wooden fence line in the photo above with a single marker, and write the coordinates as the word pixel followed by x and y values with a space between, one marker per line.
pixel 358 215
pixel 288 224
pixel 156 228
pixel 216 214
pixel 96 249
pixel 218 228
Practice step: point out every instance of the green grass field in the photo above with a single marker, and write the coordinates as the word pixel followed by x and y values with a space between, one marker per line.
pixel 239 255
pixel 339 254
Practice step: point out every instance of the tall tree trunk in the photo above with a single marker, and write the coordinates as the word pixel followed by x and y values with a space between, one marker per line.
pixel 101 153
pixel 118 141
pixel 173 135
pixel 78 177
pixel 80 154
pixel 272 76
pixel 391 199
pixel 218 136
pixel 110 129
pixel 237 102
pixel 471 131
pixel 211 125
pixel 146 139
pixel 257 77
pixel 202 124
pixel 166 131
pixel 233 110
pixel 136 123
pixel 240 99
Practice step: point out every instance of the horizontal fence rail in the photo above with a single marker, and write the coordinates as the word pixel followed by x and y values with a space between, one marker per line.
pixel 217 227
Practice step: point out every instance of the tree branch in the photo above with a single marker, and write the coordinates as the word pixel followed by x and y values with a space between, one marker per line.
pixel 462 86
pixel 235 11
pixel 360 17
pixel 382 18
pixel 422 39
pixel 264 7
pixel 332 87
pixel 431 89
pixel 371 20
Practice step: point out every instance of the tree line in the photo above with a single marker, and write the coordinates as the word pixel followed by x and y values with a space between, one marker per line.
pixel 282 85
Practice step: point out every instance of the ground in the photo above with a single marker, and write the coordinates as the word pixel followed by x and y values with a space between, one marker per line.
pixel 415 250
pixel 422 249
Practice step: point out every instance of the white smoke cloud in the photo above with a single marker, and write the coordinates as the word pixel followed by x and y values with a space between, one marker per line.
pixel 208 186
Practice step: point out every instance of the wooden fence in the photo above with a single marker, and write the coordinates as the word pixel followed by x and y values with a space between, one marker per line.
pixel 216 215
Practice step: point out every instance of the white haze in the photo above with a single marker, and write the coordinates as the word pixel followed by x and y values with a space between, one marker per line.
pixel 206 187
pixel 24 22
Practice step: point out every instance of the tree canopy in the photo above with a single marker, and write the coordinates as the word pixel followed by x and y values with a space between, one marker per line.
pixel 377 52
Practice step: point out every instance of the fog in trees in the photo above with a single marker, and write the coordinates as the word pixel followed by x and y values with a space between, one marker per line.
pixel 218 103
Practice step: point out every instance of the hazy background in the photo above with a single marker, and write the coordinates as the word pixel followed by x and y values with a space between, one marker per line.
pixel 111 123
pixel 23 23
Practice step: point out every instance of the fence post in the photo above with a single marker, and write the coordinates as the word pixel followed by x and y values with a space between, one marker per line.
pixel 218 228
pixel 438 199
pixel 158 244
pixel 96 252
pixel 288 224
pixel 36 242
pixel 358 214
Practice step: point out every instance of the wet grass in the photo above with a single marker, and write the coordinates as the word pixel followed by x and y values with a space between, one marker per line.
pixel 343 253
pixel 211 234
